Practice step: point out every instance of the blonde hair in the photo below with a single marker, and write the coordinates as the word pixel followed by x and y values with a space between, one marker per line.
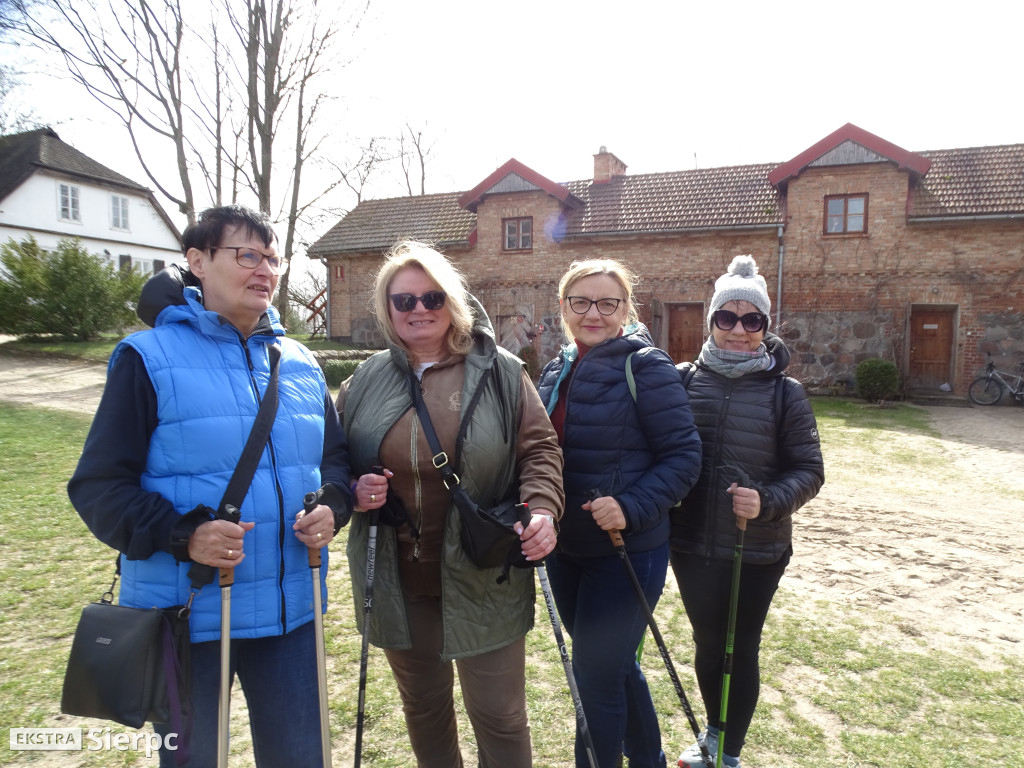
pixel 617 271
pixel 410 253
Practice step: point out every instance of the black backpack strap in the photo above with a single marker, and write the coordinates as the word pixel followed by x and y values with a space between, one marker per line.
pixel 686 371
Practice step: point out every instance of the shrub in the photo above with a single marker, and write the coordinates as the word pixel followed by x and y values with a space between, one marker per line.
pixel 336 371
pixel 877 380
pixel 68 292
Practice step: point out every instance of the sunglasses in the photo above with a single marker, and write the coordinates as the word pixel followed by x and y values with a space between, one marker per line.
pixel 752 322
pixel 406 302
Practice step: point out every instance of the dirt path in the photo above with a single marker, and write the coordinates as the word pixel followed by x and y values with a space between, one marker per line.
pixel 939 548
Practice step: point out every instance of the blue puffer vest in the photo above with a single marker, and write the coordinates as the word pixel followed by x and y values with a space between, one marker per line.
pixel 209 383
pixel 644 451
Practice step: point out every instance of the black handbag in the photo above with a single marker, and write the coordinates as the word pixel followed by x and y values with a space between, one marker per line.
pixel 129 665
pixel 488 535
pixel 133 665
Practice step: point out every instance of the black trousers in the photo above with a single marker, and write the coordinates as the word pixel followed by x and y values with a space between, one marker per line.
pixel 705 586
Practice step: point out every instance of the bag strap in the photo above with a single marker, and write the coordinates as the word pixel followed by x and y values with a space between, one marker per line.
pixel 630 381
pixel 440 458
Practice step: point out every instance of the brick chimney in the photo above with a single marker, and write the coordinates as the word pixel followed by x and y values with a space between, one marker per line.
pixel 607 166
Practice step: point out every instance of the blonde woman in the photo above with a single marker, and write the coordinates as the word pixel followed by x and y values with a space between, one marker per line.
pixel 640 453
pixel 431 605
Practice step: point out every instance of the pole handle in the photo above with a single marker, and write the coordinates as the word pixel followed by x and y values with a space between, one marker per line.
pixel 232 515
pixel 616 537
pixel 309 502
pixel 741 523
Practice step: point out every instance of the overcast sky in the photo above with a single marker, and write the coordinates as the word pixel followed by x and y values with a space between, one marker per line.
pixel 665 86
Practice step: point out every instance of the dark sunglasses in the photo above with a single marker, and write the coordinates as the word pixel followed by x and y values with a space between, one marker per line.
pixel 752 322
pixel 406 302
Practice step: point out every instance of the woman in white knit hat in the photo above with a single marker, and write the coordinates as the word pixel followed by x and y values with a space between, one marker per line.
pixel 762 462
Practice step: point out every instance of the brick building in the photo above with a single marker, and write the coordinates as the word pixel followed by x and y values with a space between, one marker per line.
pixel 869 250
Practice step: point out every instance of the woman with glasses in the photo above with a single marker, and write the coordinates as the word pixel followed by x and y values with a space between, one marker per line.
pixel 180 401
pixel 431 605
pixel 762 462
pixel 631 452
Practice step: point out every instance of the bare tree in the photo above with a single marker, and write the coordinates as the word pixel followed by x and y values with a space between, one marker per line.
pixel 413 153
pixel 15 116
pixel 240 116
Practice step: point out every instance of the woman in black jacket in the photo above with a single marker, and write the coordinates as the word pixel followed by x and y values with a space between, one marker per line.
pixel 762 462
pixel 631 451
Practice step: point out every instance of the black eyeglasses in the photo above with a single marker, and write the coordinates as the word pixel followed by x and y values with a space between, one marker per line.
pixel 250 258
pixel 581 305
pixel 406 302
pixel 752 322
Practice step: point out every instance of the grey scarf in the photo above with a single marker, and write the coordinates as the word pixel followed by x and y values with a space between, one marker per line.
pixel 733 364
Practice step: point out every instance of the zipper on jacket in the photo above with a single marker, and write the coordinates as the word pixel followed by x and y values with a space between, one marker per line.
pixel 281 532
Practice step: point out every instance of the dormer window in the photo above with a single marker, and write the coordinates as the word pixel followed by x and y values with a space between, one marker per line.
pixel 846 214
pixel 518 233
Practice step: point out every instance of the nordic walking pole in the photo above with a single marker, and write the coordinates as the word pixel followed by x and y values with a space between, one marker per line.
pixel 371 555
pixel 620 548
pixel 227 578
pixel 730 635
pixel 309 503
pixel 577 703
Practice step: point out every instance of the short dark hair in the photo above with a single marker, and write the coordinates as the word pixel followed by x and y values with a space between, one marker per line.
pixel 209 226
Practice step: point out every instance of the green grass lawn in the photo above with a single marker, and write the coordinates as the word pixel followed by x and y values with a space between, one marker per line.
pixel 825 672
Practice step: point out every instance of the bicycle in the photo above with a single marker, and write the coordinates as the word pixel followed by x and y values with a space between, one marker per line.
pixel 988 389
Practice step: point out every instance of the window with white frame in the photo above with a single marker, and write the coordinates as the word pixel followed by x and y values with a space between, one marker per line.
pixel 68 203
pixel 118 212
pixel 518 234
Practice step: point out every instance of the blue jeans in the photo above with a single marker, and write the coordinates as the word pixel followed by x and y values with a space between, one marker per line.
pixel 279 678
pixel 600 610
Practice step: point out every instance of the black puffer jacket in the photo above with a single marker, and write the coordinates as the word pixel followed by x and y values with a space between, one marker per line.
pixel 743 442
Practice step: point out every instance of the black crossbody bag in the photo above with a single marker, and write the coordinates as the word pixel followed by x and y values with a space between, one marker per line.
pixel 487 535
pixel 132 665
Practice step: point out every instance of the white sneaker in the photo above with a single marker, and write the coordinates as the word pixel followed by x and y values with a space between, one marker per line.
pixel 692 757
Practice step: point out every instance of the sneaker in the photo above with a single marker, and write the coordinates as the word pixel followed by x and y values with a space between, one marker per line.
pixel 692 758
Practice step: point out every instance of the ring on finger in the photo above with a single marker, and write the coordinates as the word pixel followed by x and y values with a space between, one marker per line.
pixel 231 553
pixel 373 498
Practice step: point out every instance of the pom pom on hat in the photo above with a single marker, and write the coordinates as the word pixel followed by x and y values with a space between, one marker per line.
pixel 741 282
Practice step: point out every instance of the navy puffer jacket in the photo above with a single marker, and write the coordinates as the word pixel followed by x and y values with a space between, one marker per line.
pixel 644 452
pixel 745 442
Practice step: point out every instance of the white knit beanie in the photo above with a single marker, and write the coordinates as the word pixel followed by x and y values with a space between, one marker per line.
pixel 741 283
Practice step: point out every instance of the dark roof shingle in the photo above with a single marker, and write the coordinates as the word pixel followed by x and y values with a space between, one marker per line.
pixel 22 154
pixel 980 181
pixel 960 182
pixel 379 224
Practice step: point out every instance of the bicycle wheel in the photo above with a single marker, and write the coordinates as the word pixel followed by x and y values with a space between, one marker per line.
pixel 985 391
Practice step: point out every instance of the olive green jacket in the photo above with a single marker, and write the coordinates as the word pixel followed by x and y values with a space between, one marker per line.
pixel 478 614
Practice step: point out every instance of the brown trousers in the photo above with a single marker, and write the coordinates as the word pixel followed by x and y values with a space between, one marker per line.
pixel 493 688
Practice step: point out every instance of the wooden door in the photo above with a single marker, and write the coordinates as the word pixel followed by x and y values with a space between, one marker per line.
pixel 685 331
pixel 931 347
